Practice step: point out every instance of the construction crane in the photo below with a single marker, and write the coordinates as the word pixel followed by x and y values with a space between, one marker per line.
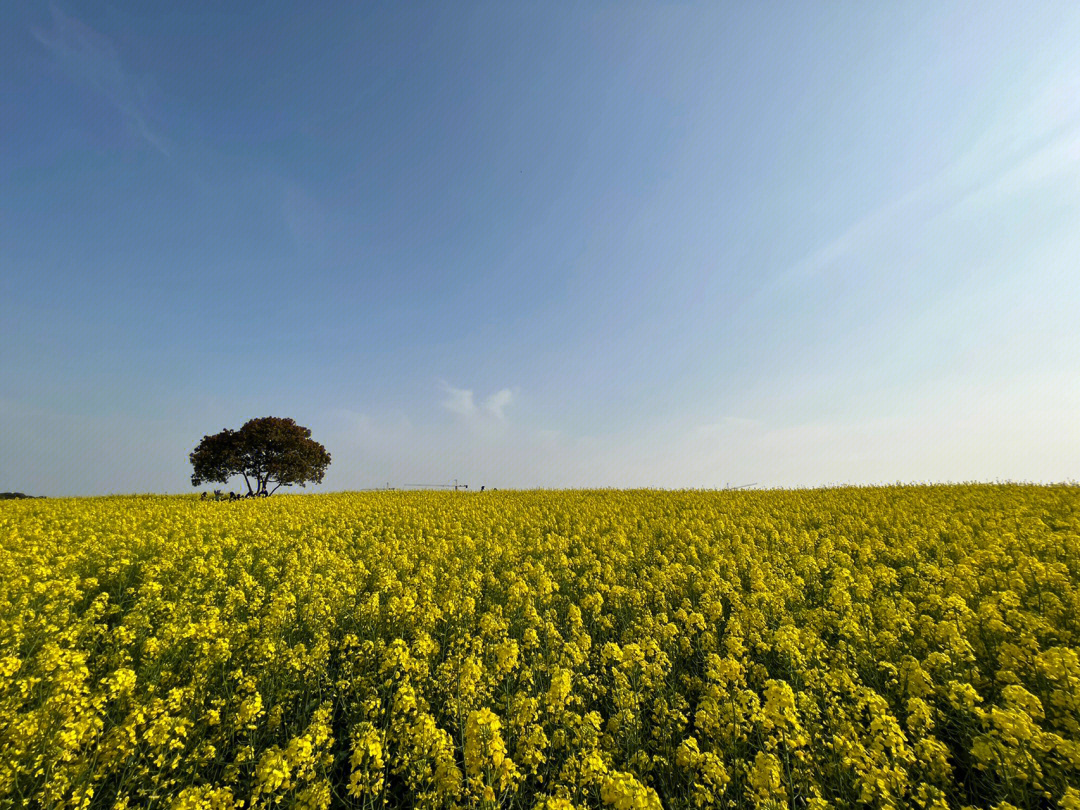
pixel 454 486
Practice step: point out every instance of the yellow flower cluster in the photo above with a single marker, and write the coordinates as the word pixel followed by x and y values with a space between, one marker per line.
pixel 840 648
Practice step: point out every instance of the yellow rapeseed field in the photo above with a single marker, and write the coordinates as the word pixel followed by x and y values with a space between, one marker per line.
pixel 877 647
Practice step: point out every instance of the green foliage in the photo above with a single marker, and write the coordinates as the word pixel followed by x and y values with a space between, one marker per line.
pixel 270 450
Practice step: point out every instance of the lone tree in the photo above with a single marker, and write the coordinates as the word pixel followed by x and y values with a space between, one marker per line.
pixel 267 451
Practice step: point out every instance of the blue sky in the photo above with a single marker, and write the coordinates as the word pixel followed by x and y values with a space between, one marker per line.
pixel 520 245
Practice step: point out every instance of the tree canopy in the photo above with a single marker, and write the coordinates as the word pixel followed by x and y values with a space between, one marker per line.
pixel 268 450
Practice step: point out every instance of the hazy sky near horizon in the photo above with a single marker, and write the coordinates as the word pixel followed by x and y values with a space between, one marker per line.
pixel 542 245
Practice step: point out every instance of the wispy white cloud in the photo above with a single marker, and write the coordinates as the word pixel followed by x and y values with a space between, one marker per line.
pixel 1026 148
pixel 89 58
pixel 462 402
pixel 1054 162
pixel 497 402
pixel 458 400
